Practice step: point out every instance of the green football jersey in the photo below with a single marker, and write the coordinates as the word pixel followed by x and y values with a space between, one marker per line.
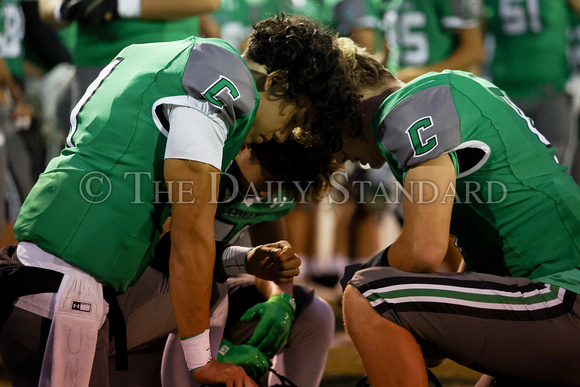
pixel 11 36
pixel 96 46
pixel 423 32
pixel 516 210
pixel 100 205
pixel 530 52
pixel 239 208
pixel 68 36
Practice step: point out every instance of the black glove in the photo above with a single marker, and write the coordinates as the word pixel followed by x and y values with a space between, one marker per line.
pixel 90 12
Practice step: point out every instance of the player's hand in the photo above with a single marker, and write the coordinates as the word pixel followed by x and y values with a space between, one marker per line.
pixel 254 362
pixel 276 316
pixel 274 262
pixel 21 115
pixel 92 12
pixel 216 373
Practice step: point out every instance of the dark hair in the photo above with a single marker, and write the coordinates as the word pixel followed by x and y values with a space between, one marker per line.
pixel 293 163
pixel 308 58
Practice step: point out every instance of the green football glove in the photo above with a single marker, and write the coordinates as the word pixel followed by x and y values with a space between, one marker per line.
pixel 254 362
pixel 276 316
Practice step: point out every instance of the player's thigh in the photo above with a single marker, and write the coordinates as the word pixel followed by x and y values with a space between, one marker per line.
pixel 21 348
pixel 493 324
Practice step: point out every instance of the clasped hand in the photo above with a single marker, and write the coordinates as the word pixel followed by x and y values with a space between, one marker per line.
pixel 274 262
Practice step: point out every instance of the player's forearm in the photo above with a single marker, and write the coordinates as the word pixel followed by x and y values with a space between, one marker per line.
pixel 269 288
pixel 469 54
pixel 192 243
pixel 47 9
pixel 176 9
pixel 209 27
pixel 5 75
pixel 424 241
pixel 466 59
pixel 190 284
pixel 407 255
pixel 145 9
pixel 18 95
pixel 6 81
pixel 364 37
pixel 575 5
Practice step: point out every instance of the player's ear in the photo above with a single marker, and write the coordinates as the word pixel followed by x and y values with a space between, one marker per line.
pixel 274 84
pixel 245 152
pixel 272 79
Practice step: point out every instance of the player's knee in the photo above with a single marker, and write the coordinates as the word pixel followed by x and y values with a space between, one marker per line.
pixel 324 321
pixel 316 322
pixel 353 303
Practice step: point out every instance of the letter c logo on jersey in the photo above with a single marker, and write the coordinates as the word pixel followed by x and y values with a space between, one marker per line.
pixel 221 85
pixel 421 146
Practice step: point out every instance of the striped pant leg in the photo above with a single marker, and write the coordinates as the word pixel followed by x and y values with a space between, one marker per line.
pixel 497 325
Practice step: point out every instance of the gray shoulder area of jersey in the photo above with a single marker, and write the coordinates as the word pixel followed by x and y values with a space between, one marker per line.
pixel 220 76
pixel 421 127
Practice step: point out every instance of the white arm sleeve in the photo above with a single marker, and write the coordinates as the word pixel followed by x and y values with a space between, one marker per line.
pixel 194 135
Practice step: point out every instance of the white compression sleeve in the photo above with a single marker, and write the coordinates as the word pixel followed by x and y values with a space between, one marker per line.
pixel 195 136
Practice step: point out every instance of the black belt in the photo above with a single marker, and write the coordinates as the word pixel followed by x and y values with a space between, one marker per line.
pixel 118 328
pixel 17 280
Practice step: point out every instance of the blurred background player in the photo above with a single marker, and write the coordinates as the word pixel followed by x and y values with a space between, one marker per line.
pixel 573 88
pixel 427 35
pixel 22 150
pixel 536 86
pixel 97 31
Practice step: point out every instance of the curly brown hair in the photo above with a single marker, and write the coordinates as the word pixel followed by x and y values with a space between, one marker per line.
pixel 308 58
pixel 302 170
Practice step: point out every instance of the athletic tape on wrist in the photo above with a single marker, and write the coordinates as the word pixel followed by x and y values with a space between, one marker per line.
pixel 234 259
pixel 196 350
pixel 129 9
